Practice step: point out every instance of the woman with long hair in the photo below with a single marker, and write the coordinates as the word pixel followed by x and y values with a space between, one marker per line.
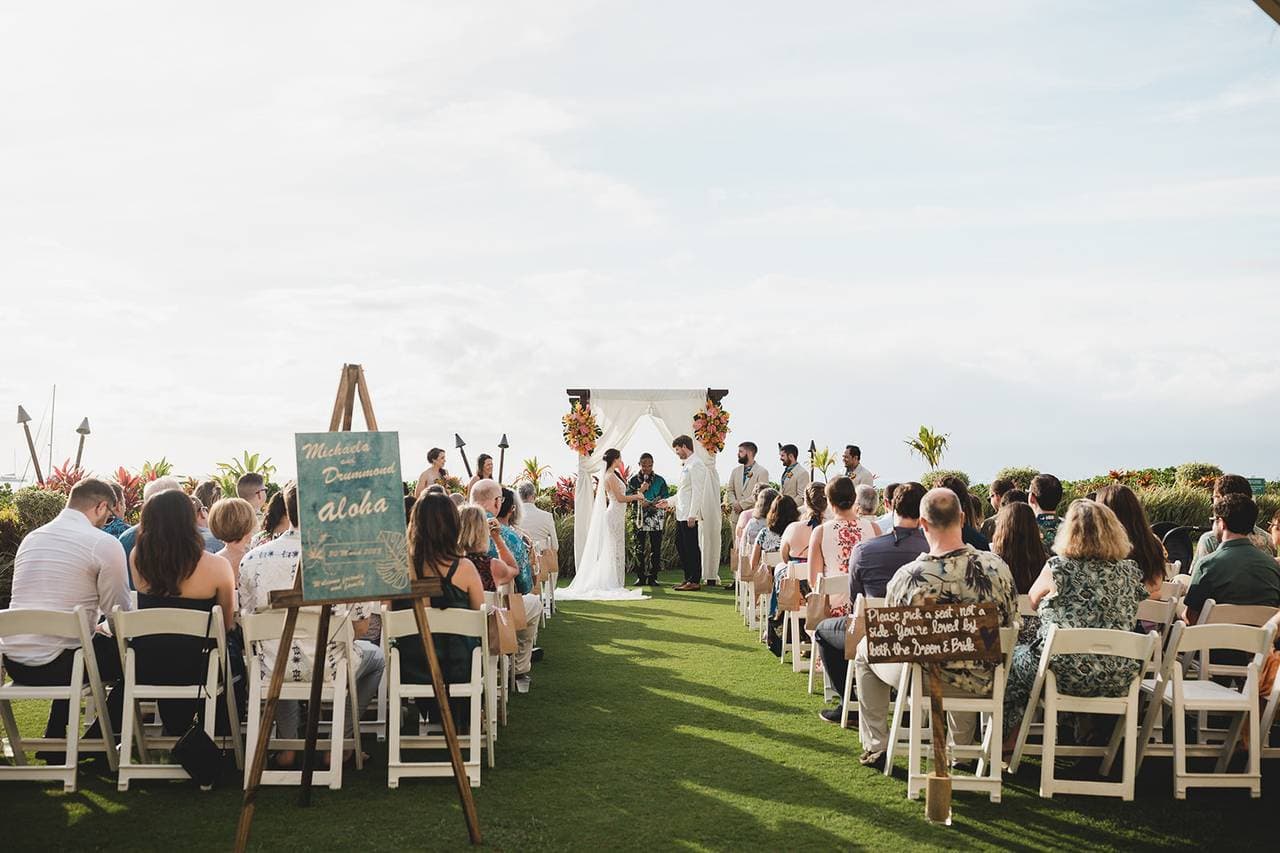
pixel 484 471
pixel 434 552
pixel 795 541
pixel 1147 551
pixel 171 569
pixel 275 521
pixel 970 533
pixel 1018 542
pixel 833 541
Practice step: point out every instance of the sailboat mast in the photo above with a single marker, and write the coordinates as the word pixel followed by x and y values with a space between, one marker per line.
pixel 53 407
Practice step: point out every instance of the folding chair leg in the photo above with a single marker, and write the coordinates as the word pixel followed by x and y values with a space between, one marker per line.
pixel 15 736
pixel 848 692
pixel 1229 745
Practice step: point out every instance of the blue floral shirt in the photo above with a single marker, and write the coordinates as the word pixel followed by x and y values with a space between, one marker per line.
pixel 515 544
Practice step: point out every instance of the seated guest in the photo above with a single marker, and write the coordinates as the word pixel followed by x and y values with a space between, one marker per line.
pixel 951 571
pixel 1089 583
pixel 116 525
pixel 1146 551
pixel 458 498
pixel 886 522
pixel 999 488
pixel 864 503
pixel 1015 496
pixel 1231 484
pixel 833 541
pixel 1044 496
pixel 795 541
pixel 211 543
pixel 66 563
pixel 275 522
pixel 1019 543
pixel 477 535
pixel 759 516
pixel 172 569
pixel 252 488
pixel 232 521
pixel 434 552
pixel 208 492
pixel 501 507
pixel 971 534
pixel 272 565
pixel 435 489
pixel 155 487
pixel 540 525
pixel 409 501
pixel 782 513
pixel 872 565
pixel 1237 571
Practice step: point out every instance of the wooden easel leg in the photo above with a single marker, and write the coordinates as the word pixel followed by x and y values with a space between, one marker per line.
pixel 446 721
pixel 264 731
pixel 313 706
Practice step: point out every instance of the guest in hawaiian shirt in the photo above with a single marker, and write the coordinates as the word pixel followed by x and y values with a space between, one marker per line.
pixel 650 521
pixel 116 524
pixel 1044 497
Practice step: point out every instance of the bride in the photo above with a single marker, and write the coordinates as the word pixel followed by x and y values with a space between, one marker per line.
pixel 602 570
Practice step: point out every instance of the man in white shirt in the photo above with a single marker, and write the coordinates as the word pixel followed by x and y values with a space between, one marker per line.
pixel 689 499
pixel 854 469
pixel 67 563
pixel 538 524
pixel 888 521
pixel 272 565
pixel 794 479
pixel 745 478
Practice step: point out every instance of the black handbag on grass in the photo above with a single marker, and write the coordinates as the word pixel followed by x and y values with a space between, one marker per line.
pixel 195 750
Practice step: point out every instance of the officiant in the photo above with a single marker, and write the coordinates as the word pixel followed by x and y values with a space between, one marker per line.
pixel 650 521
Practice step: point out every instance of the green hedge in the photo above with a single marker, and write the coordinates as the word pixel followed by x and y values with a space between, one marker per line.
pixel 930 478
pixel 1021 475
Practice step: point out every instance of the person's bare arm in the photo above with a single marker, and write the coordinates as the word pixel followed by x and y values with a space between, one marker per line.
pixel 816 564
pixel 1042 587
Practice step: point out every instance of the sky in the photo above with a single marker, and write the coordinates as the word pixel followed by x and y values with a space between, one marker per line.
pixel 1051 231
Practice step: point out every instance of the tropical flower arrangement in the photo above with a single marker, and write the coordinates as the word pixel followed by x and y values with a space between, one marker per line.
pixel 581 429
pixel 564 494
pixel 711 426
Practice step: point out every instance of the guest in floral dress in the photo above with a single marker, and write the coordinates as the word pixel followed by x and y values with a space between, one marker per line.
pixel 833 541
pixel 1091 583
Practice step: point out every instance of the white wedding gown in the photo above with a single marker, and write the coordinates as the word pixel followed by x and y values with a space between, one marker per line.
pixel 602 573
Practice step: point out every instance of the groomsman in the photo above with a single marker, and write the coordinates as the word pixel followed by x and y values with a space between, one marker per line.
pixel 795 479
pixel 745 478
pixel 854 469
pixel 650 520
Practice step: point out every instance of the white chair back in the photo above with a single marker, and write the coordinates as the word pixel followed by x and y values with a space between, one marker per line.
pixel 837 584
pixel 1255 615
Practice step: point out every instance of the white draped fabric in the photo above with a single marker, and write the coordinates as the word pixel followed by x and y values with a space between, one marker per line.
pixel 618 411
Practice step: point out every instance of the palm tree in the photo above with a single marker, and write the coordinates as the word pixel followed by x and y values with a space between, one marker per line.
pixel 823 460
pixel 929 446
pixel 533 472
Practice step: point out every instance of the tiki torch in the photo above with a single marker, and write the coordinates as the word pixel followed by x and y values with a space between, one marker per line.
pixel 502 455
pixel 813 448
pixel 460 444
pixel 25 420
pixel 83 429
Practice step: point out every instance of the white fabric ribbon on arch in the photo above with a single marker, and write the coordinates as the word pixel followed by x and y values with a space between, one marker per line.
pixel 618 411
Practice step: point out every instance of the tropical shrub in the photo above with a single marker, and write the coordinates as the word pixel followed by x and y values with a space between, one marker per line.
pixel 929 479
pixel 1185 505
pixel 1268 506
pixel 37 506
pixel 1196 474
pixel 11 530
pixel 545 501
pixel 564 494
pixel 533 472
pixel 1021 476
pixel 929 446
pixel 564 535
pixel 156 470
pixel 63 477
pixel 6 495
pixel 229 473
pixel 6 580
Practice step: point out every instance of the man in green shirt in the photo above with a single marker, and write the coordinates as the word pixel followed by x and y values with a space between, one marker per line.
pixel 1238 572
pixel 1230 484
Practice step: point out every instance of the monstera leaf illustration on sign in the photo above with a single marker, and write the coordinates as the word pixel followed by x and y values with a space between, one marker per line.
pixel 393 564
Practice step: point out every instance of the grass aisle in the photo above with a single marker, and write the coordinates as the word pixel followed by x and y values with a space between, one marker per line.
pixel 650 725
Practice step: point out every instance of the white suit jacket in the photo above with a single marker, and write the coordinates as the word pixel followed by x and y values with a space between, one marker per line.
pixel 692 490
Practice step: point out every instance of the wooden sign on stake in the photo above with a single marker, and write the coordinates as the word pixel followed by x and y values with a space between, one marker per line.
pixel 932 634
pixel 419 590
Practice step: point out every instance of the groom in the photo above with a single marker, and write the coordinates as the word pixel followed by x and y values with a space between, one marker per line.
pixel 689 499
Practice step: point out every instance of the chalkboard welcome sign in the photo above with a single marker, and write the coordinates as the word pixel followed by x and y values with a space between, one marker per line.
pixel 351 516
pixel 933 633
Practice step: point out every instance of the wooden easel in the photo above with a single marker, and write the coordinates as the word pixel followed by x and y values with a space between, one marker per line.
pixel 420 590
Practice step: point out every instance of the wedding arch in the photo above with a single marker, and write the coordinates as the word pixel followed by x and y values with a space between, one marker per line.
pixel 618 412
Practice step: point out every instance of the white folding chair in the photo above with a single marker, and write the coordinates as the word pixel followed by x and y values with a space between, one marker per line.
pixel 549 562
pixel 339 690
pixel 1155 685
pixel 828 585
pixel 84 694
pixel 1205 695
pixel 1025 607
pixel 1159 613
pixel 860 605
pixel 1090 641
pixel 497 669
pixel 1253 615
pixel 990 711
pixel 463 623
pixel 798 640
pixel 772 559
pixel 128 625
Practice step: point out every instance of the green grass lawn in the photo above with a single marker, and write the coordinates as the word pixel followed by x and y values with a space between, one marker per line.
pixel 656 724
